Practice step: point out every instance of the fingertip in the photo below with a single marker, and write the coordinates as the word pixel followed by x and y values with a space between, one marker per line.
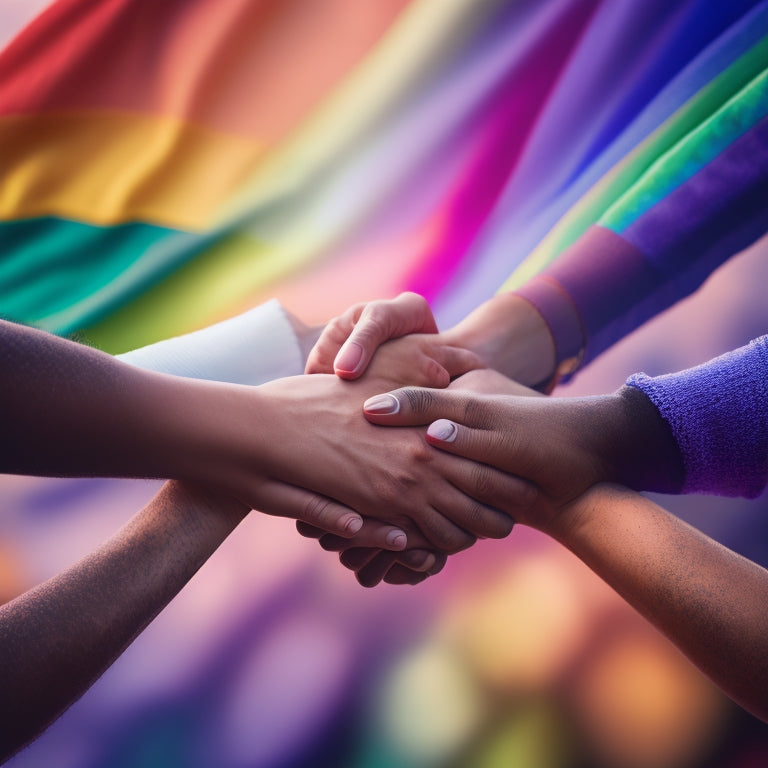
pixel 349 361
pixel 440 562
pixel 436 375
pixel 442 431
pixel 397 540
pixel 403 577
pixel 418 560
pixel 382 405
pixel 352 525
pixel 331 543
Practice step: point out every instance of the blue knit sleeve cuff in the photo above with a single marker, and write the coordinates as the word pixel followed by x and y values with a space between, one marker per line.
pixel 718 413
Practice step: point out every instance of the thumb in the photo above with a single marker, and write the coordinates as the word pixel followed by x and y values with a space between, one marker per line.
pixel 411 406
pixel 379 322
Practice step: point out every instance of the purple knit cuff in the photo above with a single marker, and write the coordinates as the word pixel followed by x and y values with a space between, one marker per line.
pixel 718 413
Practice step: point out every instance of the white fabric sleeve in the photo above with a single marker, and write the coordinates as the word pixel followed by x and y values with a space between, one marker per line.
pixel 252 348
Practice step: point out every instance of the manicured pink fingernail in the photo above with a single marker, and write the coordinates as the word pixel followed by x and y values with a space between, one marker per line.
pixel 397 539
pixel 443 430
pixel 353 526
pixel 349 358
pixel 382 405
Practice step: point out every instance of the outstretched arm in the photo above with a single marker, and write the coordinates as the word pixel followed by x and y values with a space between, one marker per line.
pixel 701 429
pixel 68 409
pixel 57 639
pixel 709 601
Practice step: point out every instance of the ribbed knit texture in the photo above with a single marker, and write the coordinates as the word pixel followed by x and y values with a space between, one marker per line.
pixel 718 413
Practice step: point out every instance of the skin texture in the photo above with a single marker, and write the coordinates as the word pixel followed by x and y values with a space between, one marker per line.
pixel 50 659
pixel 619 438
pixel 564 445
pixel 70 410
pixel 57 639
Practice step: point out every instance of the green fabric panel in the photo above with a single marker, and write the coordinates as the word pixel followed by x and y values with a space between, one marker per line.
pixel 229 277
pixel 620 179
pixel 61 275
pixel 688 156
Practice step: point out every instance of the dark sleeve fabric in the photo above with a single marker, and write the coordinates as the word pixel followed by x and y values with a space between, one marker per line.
pixel 694 206
pixel 718 413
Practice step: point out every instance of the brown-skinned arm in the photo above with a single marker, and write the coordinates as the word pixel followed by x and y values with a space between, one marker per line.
pixel 57 639
pixel 708 600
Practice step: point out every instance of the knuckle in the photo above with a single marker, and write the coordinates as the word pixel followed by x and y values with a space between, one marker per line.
pixel 477 414
pixel 393 487
pixel 373 323
pixel 335 332
pixel 420 400
pixel 413 298
pixel 482 484
pixel 433 374
pixel 448 538
pixel 316 511
pixel 418 454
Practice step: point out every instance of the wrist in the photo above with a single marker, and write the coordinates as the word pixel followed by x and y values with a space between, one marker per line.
pixel 201 509
pixel 202 432
pixel 510 336
pixel 583 522
pixel 638 445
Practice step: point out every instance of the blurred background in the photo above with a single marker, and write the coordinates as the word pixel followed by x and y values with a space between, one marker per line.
pixel 167 165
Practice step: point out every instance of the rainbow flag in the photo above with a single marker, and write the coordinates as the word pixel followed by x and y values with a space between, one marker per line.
pixel 165 165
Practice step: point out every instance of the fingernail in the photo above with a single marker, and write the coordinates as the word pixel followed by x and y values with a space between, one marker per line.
pixel 397 539
pixel 349 357
pixel 353 526
pixel 443 430
pixel 382 404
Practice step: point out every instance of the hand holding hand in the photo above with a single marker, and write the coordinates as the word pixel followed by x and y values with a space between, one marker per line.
pixel 347 344
pixel 360 554
pixel 563 445
pixel 505 333
pixel 321 441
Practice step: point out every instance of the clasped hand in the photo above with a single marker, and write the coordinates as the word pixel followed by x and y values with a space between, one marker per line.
pixel 322 441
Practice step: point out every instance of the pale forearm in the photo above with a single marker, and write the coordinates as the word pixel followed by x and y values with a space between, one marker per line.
pixel 510 336
pixel 58 638
pixel 707 599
